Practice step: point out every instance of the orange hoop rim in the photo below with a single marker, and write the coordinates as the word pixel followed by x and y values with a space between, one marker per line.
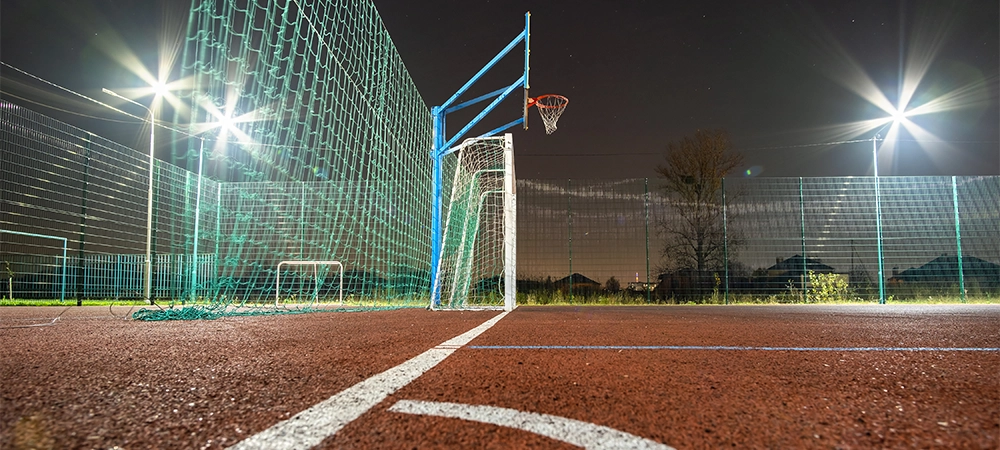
pixel 562 104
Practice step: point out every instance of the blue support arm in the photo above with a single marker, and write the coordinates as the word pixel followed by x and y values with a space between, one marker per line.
pixel 481 98
pixel 484 112
pixel 485 69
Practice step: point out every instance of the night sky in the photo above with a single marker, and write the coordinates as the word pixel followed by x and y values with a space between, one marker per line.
pixel 776 75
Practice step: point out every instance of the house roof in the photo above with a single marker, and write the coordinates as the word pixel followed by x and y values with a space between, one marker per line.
pixel 576 278
pixel 947 267
pixel 794 265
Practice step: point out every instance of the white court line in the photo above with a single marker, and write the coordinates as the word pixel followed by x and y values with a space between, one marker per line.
pixel 571 431
pixel 324 419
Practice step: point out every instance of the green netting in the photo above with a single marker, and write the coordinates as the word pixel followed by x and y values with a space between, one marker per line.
pixel 327 162
pixel 586 240
pixel 940 235
pixel 772 240
pixel 325 158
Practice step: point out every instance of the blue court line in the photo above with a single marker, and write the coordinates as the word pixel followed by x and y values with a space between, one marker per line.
pixel 736 348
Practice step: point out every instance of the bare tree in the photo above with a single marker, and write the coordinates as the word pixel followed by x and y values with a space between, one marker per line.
pixel 692 179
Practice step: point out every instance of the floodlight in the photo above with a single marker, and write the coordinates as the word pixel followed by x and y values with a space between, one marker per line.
pixel 159 89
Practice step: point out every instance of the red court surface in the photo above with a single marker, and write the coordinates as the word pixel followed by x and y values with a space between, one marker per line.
pixel 841 376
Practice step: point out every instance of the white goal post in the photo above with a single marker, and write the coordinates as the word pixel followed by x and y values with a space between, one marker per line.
pixel 478 264
pixel 62 288
pixel 315 264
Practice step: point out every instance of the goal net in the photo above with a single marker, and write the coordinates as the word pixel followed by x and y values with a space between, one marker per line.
pixel 476 269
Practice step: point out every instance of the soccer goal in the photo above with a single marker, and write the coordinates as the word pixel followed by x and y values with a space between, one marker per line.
pixel 477 266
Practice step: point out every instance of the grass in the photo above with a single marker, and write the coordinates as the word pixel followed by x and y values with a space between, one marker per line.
pixel 558 299
pixel 69 302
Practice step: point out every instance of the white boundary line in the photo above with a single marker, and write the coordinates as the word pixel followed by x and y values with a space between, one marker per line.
pixel 571 431
pixel 324 419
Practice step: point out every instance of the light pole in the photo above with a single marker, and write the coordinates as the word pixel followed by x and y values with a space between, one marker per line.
pixel 149 200
pixel 878 223
pixel 878 211
pixel 197 216
pixel 223 122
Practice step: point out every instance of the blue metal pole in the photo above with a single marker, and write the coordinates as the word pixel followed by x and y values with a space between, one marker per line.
pixel 527 54
pixel 483 113
pixel 496 131
pixel 436 239
pixel 440 143
pixel 481 98
pixel 527 47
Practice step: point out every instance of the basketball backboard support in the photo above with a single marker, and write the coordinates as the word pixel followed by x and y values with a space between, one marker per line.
pixel 442 144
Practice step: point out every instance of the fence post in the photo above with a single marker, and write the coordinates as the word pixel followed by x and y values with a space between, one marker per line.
pixel 218 237
pixel 649 293
pixel 83 222
pixel 725 243
pixel 302 221
pixel 156 222
pixel 958 239
pixel 802 221
pixel 119 274
pixel 569 221
pixel 197 220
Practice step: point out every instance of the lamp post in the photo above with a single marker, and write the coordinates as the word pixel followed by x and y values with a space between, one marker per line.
pixel 223 121
pixel 878 212
pixel 197 216
pixel 149 200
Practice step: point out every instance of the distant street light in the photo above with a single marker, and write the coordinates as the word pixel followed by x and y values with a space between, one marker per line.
pixel 149 200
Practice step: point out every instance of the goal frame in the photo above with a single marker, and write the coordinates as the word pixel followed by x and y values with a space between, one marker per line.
pixel 509 243
pixel 62 288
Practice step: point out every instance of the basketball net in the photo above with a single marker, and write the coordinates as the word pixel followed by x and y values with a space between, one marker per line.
pixel 550 107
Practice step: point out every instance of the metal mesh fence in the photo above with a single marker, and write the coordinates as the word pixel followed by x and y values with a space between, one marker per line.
pixel 73 226
pixel 63 186
pixel 778 239
pixel 581 238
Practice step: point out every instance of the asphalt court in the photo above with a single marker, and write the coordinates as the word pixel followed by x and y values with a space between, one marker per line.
pixel 654 377
pixel 796 376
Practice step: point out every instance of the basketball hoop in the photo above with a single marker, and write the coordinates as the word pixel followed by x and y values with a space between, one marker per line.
pixel 550 107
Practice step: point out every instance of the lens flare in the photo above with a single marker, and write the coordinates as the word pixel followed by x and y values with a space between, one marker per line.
pixel 111 43
pixel 753 171
pixel 920 49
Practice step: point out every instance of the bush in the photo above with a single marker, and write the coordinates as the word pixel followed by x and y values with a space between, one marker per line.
pixel 828 287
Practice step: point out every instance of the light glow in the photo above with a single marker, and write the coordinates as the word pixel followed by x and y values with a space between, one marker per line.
pixel 226 120
pixel 921 48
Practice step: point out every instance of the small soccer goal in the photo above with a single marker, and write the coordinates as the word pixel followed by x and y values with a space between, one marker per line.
pixel 299 287
pixel 477 266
